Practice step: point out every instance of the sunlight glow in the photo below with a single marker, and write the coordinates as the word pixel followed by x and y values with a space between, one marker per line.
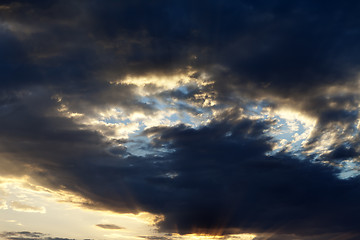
pixel 244 236
pixel 23 203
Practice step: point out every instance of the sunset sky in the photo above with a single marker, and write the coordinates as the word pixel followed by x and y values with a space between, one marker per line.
pixel 179 120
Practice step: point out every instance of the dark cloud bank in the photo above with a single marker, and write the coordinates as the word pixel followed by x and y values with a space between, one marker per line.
pixel 218 176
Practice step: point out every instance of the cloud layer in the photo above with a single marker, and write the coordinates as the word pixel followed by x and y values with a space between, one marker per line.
pixel 149 106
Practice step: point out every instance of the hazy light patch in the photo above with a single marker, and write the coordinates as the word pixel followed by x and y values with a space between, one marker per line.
pixel 11 221
pixel 196 236
pixel 4 7
pixel 244 236
pixel 23 207
pixel 64 211
pixel 202 237
pixel 3 204
pixel 16 197
pixel 120 236
pixel 344 89
pixel 21 30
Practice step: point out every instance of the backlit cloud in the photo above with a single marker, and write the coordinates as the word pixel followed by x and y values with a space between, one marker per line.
pixel 202 119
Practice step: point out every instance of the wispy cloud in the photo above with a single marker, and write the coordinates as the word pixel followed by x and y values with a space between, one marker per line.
pixel 26 235
pixel 109 226
pixel 23 207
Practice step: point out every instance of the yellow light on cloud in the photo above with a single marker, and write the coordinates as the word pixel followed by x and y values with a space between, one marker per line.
pixel 243 236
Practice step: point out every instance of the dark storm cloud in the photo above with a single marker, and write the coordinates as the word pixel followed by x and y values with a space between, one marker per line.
pixel 61 53
pixel 222 176
pixel 342 152
pixel 15 67
pixel 261 48
pixel 218 176
pixel 228 181
pixel 225 182
pixel 291 48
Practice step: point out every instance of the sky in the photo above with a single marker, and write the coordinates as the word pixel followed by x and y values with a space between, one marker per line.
pixel 173 120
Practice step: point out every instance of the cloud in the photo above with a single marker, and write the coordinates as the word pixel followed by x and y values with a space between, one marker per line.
pixel 22 207
pixel 155 238
pixel 223 183
pixel 23 234
pixel 109 226
pixel 26 235
pixel 276 51
pixel 59 65
pixel 229 182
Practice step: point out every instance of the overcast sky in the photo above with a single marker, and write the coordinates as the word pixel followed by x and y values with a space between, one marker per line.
pixel 170 120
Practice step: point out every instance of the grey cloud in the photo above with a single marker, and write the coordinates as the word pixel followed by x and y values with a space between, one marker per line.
pixel 23 233
pixel 264 49
pixel 26 235
pixel 109 226
pixel 155 238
